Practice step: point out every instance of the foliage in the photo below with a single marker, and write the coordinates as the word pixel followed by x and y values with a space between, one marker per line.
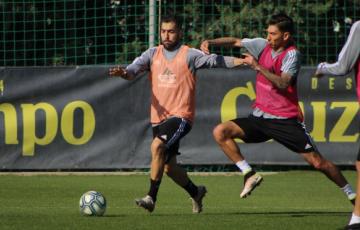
pixel 104 32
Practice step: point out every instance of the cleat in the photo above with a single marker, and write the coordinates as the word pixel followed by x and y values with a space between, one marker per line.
pixel 146 203
pixel 251 180
pixel 353 226
pixel 197 201
pixel 352 198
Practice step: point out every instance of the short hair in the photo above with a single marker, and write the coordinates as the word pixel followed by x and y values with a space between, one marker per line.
pixel 283 22
pixel 172 18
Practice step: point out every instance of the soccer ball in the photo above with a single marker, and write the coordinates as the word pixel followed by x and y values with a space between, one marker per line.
pixel 92 203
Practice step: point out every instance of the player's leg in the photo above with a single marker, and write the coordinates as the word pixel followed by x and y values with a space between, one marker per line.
pixel 166 135
pixel 355 217
pixel 354 223
pixel 293 135
pixel 224 135
pixel 180 177
pixel 158 150
pixel 331 171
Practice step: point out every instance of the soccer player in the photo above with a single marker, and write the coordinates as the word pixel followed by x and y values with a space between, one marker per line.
pixel 172 67
pixel 349 58
pixel 276 113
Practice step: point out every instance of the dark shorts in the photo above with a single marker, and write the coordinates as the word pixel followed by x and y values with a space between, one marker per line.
pixel 289 132
pixel 170 132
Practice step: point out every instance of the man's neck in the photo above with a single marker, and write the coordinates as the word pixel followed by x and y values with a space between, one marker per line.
pixel 285 46
pixel 174 48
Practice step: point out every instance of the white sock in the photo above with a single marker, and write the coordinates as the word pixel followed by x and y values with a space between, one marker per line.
pixel 243 166
pixel 349 192
pixel 354 219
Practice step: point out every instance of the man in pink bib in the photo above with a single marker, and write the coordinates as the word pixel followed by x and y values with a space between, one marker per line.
pixel 172 70
pixel 276 113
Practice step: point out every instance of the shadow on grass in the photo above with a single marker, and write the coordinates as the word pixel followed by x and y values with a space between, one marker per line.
pixel 114 216
pixel 272 214
pixel 290 213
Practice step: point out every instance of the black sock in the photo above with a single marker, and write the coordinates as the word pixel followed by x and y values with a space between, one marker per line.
pixel 191 188
pixel 154 188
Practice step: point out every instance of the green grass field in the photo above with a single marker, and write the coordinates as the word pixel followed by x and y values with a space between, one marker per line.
pixel 286 200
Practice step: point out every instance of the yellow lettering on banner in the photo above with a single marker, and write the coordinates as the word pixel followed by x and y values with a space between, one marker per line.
pixel 314 83
pixel 331 83
pixel 1 87
pixel 350 112
pixel 349 82
pixel 319 124
pixel 10 123
pixel 67 122
pixel 228 106
pixel 29 132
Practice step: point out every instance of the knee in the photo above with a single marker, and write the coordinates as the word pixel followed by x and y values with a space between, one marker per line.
pixel 317 165
pixel 157 148
pixel 320 164
pixel 219 133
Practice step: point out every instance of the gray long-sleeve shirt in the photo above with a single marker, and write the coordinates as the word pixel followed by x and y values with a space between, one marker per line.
pixel 196 59
pixel 348 56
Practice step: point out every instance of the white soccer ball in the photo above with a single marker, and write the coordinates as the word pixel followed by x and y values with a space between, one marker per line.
pixel 92 203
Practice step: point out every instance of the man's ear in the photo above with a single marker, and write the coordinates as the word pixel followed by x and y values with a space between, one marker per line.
pixel 286 36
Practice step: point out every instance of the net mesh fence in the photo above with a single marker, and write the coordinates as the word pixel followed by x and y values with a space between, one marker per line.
pixel 74 32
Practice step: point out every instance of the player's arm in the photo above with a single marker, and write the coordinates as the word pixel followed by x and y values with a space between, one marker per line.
pixel 281 82
pixel 119 71
pixel 347 57
pixel 198 59
pixel 224 41
pixel 139 65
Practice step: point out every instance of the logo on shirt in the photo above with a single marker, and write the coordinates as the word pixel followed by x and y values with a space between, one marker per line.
pixel 308 146
pixel 167 78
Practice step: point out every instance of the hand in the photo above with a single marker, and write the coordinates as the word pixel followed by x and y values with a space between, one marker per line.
pixel 318 72
pixel 205 46
pixel 239 61
pixel 251 61
pixel 117 72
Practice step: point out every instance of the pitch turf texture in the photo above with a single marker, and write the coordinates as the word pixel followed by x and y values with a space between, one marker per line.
pixel 285 200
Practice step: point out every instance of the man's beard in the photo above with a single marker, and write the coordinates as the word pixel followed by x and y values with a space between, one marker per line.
pixel 170 46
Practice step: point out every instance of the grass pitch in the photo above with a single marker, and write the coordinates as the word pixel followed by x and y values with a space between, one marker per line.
pixel 287 200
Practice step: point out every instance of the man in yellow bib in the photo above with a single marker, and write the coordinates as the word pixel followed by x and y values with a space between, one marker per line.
pixel 172 68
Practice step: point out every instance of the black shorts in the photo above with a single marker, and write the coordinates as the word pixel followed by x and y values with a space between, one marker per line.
pixel 170 132
pixel 289 132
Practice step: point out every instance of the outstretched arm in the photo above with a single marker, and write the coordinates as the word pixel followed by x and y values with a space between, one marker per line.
pixel 197 59
pixel 347 57
pixel 225 41
pixel 140 64
pixel 118 71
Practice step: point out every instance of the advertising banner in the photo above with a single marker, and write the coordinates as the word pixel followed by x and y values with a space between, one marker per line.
pixel 80 118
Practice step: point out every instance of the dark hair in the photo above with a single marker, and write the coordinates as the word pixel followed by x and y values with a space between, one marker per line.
pixel 283 22
pixel 172 18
